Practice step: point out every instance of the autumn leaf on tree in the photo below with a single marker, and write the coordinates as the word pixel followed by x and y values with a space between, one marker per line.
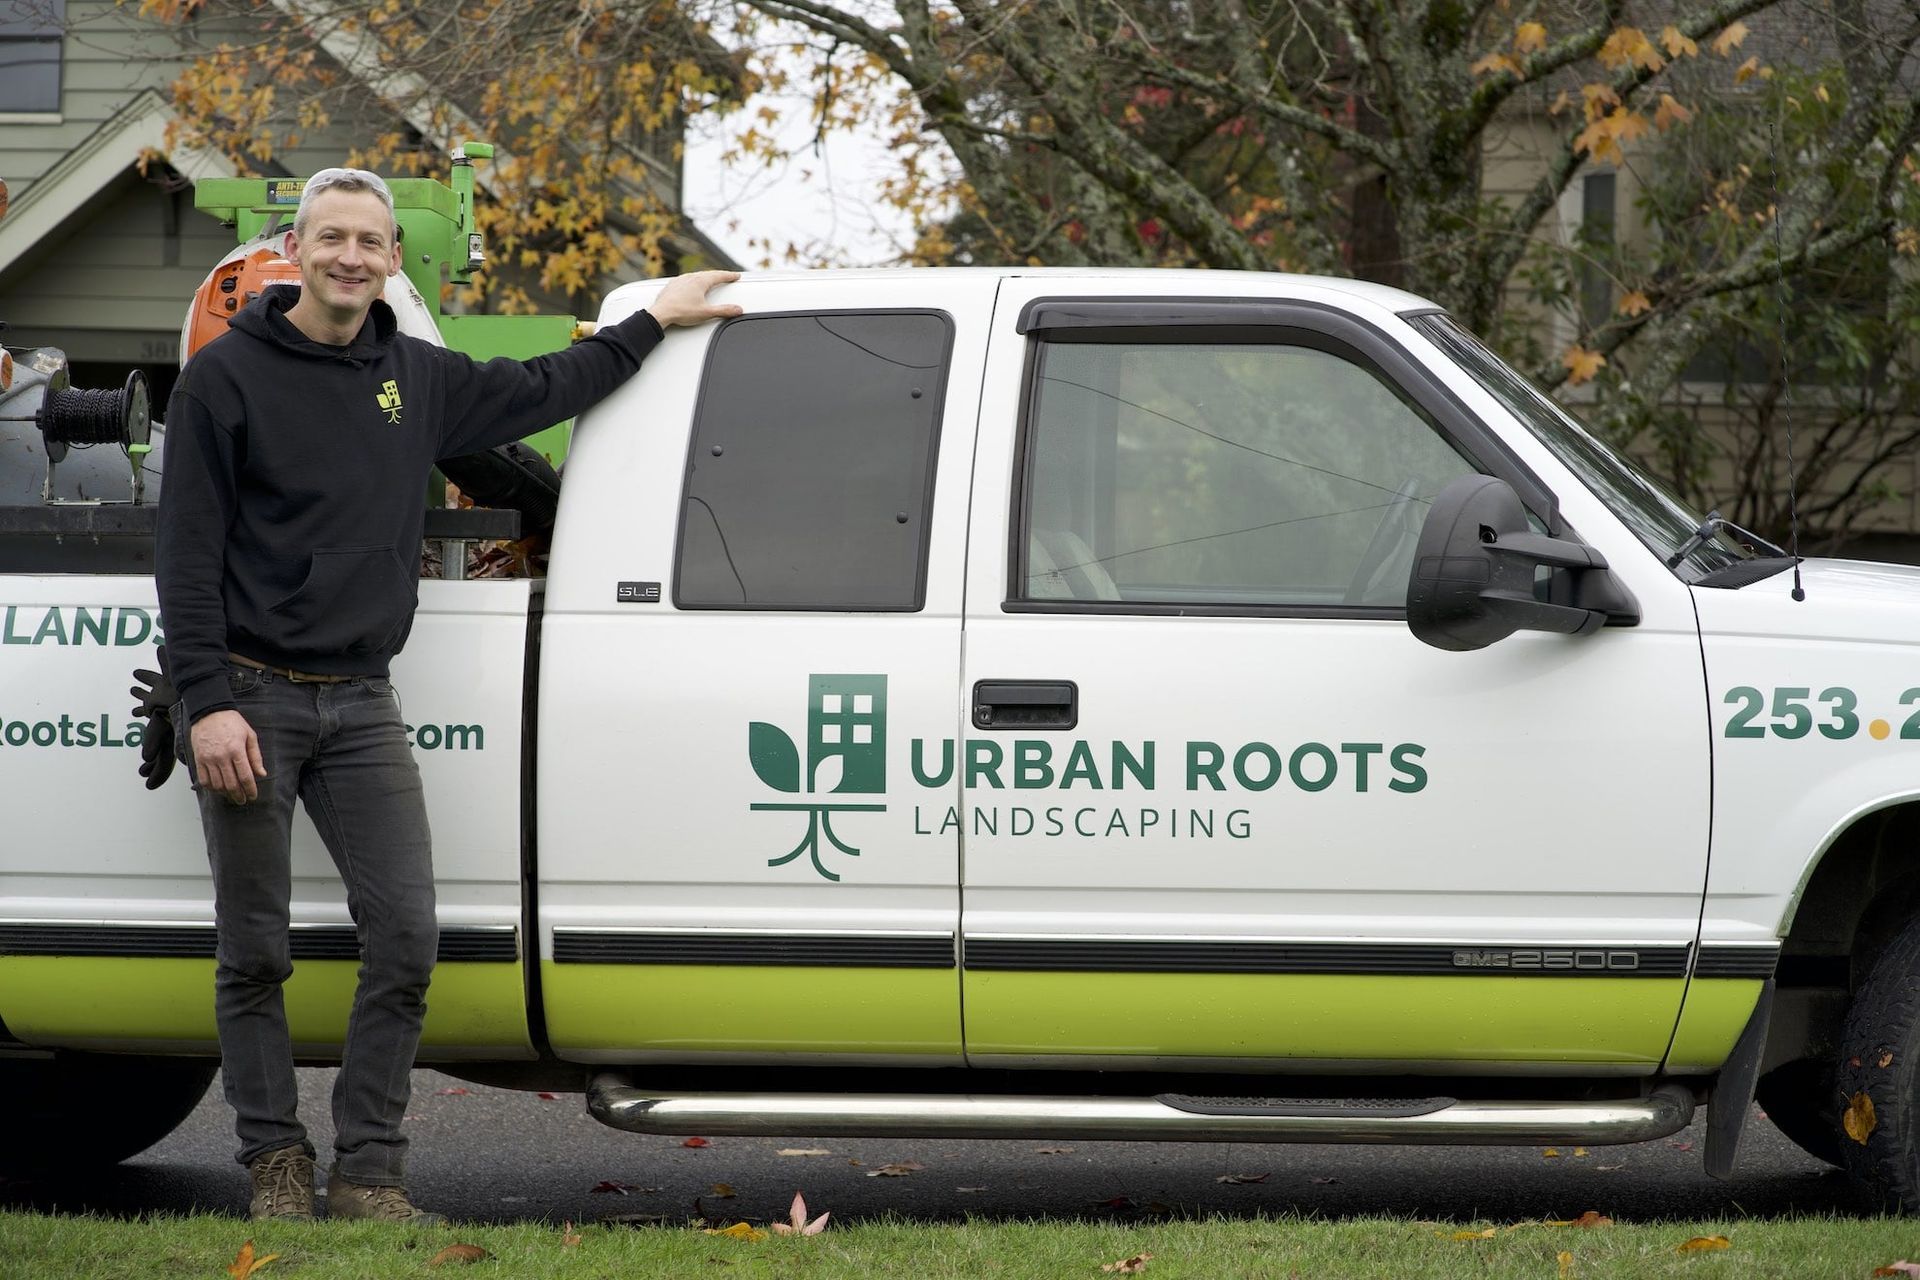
pixel 1496 61
pixel 1859 1120
pixel 1582 364
pixel 1633 303
pixel 1670 113
pixel 245 1264
pixel 1729 39
pixel 1677 43
pixel 1529 37
pixel 797 1223
pixel 1629 45
pixel 1907 240
pixel 1751 68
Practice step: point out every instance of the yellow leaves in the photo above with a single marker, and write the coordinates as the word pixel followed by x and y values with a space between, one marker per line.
pixel 1670 113
pixel 1603 138
pixel 459 1254
pixel 1703 1244
pixel 244 1264
pixel 738 1231
pixel 1565 1259
pixel 1528 37
pixel 1751 68
pixel 1907 241
pixel 1581 364
pixel 1488 1234
pixel 1634 303
pixel 1729 39
pixel 1596 99
pixel 1859 1120
pixel 1629 45
pixel 1677 44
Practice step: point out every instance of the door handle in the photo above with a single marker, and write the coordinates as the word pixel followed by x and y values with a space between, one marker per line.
pixel 1025 704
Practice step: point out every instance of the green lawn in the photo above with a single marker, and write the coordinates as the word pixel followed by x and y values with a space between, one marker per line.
pixel 73 1248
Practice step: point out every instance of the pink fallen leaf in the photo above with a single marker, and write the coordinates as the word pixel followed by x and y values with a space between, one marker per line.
pixel 1681 1146
pixel 455 1092
pixel 696 1142
pixel 549 1097
pixel 797 1224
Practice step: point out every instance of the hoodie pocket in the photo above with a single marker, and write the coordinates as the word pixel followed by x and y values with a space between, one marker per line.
pixel 354 600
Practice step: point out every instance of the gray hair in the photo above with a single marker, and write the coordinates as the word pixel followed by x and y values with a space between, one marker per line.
pixel 342 180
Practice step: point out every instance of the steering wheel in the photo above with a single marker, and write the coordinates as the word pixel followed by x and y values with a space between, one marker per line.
pixel 1396 531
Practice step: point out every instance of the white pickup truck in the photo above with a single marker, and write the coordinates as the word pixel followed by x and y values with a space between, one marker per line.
pixel 1084 704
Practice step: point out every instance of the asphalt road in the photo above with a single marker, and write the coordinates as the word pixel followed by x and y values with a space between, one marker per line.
pixel 500 1156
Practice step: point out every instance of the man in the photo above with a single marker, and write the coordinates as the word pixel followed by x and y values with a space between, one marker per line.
pixel 297 453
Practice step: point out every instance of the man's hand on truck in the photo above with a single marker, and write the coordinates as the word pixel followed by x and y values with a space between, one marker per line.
pixel 226 755
pixel 684 300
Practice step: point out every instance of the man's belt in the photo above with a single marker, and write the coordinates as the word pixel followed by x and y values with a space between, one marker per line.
pixel 298 677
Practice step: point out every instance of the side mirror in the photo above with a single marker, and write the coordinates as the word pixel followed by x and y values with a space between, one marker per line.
pixel 1475 566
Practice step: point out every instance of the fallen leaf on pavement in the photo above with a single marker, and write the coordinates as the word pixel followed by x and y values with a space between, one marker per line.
pixel 967 1191
pixel 461 1253
pixel 1859 1120
pixel 1551 1153
pixel 549 1097
pixel 803 1151
pixel 607 1186
pixel 1242 1179
pixel 739 1231
pixel 455 1092
pixel 1051 1151
pixel 1886 1058
pixel 696 1142
pixel 1609 1168
pixel 1579 1152
pixel 1127 1266
pixel 1681 1146
pixel 1325 1182
pixel 1118 1202
pixel 721 1191
pixel 797 1224
pixel 245 1264
pixel 568 1236
pixel 1700 1244
pixel 898 1170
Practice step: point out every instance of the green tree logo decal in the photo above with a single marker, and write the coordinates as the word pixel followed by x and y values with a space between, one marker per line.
pixel 847 734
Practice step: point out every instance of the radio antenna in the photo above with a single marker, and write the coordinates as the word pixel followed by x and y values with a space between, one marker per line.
pixel 1774 129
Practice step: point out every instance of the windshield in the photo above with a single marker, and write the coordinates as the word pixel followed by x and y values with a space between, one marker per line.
pixel 1657 518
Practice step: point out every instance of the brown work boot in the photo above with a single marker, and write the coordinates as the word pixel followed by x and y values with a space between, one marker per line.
pixel 378 1204
pixel 282 1185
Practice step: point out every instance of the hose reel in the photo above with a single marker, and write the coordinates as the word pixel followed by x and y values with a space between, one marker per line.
pixel 70 417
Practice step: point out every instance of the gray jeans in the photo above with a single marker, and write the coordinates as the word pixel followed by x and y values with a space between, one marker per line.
pixel 343 749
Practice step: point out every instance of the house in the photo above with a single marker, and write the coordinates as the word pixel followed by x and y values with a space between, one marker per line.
pixel 102 247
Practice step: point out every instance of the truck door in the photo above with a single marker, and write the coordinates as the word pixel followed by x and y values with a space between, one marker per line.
pixel 1218 806
pixel 752 628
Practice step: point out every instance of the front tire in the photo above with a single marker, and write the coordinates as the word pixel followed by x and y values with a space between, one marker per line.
pixel 79 1111
pixel 1880 1068
pixel 1801 1100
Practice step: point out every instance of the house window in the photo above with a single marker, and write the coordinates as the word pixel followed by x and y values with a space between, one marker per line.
pixel 1597 236
pixel 30 33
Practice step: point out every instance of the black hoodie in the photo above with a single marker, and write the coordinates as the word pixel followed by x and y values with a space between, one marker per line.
pixel 296 477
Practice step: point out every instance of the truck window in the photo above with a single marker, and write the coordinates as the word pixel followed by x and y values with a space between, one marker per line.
pixel 811 472
pixel 1224 475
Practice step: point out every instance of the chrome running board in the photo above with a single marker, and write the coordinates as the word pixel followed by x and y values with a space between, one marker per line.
pixel 615 1100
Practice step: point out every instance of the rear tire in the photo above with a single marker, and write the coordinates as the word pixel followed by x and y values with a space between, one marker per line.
pixel 1880 1062
pixel 79 1111
pixel 1802 1102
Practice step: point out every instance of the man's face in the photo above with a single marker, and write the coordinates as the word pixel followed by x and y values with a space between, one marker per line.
pixel 346 252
